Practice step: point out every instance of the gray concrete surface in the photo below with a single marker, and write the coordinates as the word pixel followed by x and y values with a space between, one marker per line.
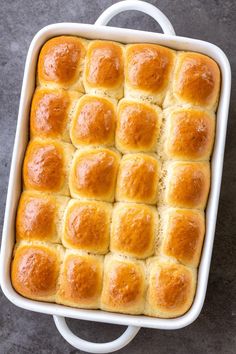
pixel 214 332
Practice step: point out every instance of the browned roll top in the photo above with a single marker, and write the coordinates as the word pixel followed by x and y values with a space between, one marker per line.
pixel 104 66
pixel 43 167
pixel 49 113
pixel 94 123
pixel 188 184
pixel 35 218
pixel 82 279
pixel 190 134
pixel 59 59
pixel 197 79
pixel 137 126
pixel 138 179
pixel 124 285
pixel 133 230
pixel 35 270
pixel 148 66
pixel 87 226
pixel 94 174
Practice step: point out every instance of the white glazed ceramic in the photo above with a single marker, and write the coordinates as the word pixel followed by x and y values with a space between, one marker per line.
pixel 99 31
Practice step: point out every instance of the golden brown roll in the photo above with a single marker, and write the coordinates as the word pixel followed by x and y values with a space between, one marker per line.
pixel 182 234
pixel 39 217
pixel 148 69
pixel 80 280
pixel 171 289
pixel 134 230
pixel 196 81
pixel 187 184
pixel 189 134
pixel 93 174
pixel 137 179
pixel 51 112
pixel 94 122
pixel 35 270
pixel 87 226
pixel 61 61
pixel 138 126
pixel 46 166
pixel 124 285
pixel 104 69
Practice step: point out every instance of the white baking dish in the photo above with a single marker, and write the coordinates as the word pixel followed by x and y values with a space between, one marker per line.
pixel 99 31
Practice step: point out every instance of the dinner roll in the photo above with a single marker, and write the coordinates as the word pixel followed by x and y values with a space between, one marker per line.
pixel 182 234
pixel 187 184
pixel 93 174
pixel 133 230
pixel 94 122
pixel 35 269
pixel 189 134
pixel 61 62
pixel 196 81
pixel 51 112
pixel 137 179
pixel 46 166
pixel 87 226
pixel 104 69
pixel 148 69
pixel 39 217
pixel 138 126
pixel 80 280
pixel 124 285
pixel 171 289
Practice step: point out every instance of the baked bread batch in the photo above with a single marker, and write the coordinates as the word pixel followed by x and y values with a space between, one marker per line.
pixel 116 177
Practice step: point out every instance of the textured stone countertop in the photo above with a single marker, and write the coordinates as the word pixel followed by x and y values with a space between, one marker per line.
pixel 214 331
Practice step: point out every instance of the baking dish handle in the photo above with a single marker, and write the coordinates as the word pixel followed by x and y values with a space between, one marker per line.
pixel 91 347
pixel 141 6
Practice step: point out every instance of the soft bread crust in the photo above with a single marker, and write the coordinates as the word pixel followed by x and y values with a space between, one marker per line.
pixel 124 285
pixel 138 126
pixel 61 62
pixel 104 69
pixel 148 69
pixel 51 112
pixel 94 122
pixel 80 280
pixel 171 289
pixel 189 134
pixel 39 217
pixel 187 184
pixel 196 81
pixel 93 174
pixel 46 166
pixel 137 179
pixel 87 226
pixel 182 235
pixel 134 230
pixel 35 270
